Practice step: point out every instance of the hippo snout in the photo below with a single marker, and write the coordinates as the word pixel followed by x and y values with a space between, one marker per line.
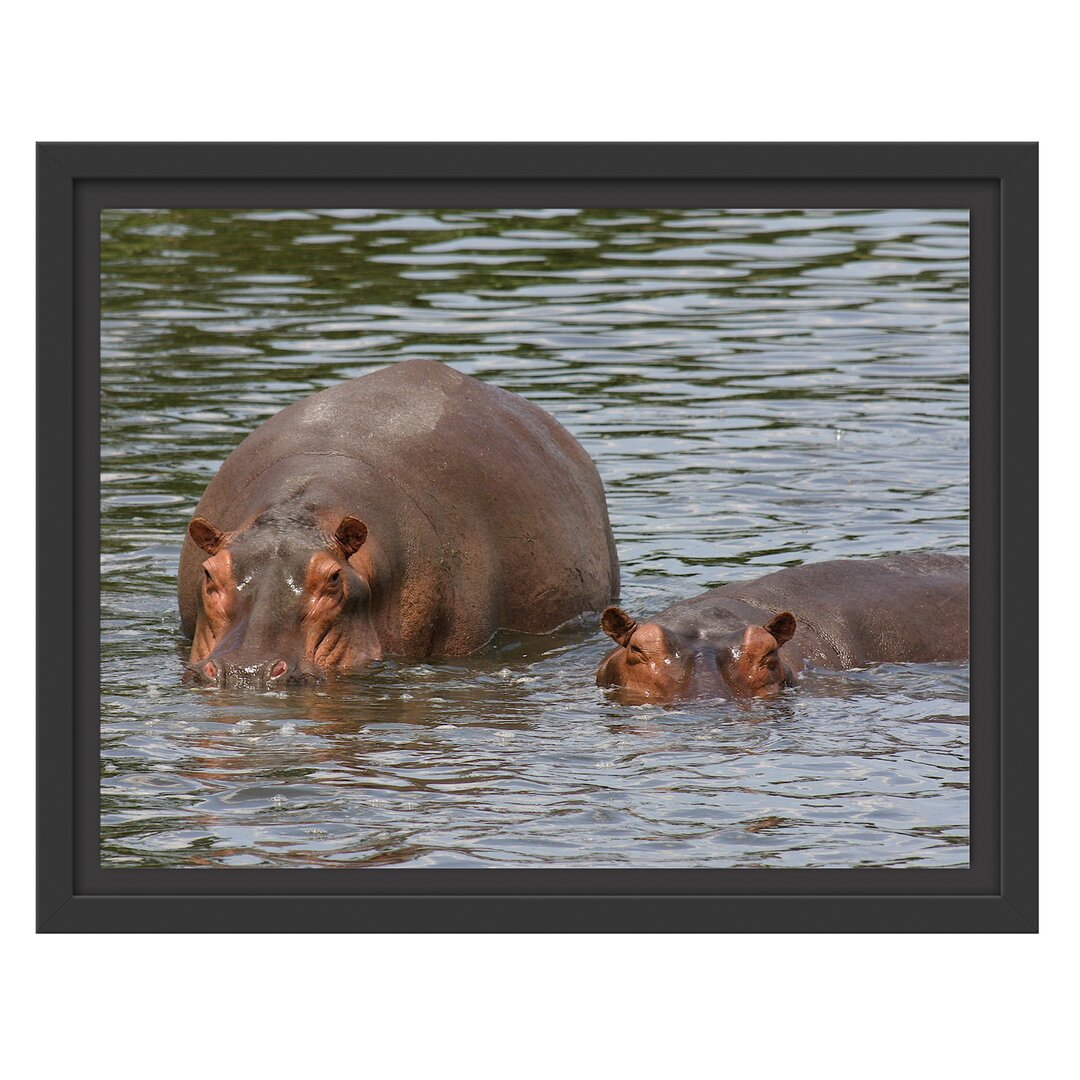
pixel 271 674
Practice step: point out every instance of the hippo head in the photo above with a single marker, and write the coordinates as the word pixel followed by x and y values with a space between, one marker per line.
pixel 655 664
pixel 282 600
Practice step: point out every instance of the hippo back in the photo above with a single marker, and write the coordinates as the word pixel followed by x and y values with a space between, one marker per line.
pixel 910 608
pixel 465 481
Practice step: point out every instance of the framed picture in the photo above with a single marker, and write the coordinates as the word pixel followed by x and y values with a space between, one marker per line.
pixel 537 537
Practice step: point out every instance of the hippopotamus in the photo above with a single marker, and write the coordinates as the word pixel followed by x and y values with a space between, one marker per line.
pixel 410 512
pixel 750 639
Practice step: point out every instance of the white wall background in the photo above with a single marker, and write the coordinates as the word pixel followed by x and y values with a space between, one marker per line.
pixel 667 1006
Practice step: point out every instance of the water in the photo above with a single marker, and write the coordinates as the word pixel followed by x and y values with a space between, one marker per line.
pixel 757 388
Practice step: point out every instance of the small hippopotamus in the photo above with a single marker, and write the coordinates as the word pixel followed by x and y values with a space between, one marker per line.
pixel 740 641
pixel 410 512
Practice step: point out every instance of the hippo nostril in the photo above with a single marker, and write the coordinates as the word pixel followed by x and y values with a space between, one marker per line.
pixel 279 669
pixel 201 673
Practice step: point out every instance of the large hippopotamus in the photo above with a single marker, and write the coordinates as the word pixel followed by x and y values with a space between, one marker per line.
pixel 740 641
pixel 410 512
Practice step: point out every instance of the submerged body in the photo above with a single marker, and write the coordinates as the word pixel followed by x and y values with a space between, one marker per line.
pixel 750 639
pixel 410 512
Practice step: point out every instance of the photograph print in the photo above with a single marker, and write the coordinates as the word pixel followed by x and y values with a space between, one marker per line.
pixel 534 538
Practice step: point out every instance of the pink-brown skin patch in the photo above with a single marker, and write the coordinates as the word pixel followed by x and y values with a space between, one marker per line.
pixel 273 611
pixel 652 663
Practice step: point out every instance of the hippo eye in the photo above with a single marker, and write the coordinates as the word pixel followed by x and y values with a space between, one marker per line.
pixel 334 578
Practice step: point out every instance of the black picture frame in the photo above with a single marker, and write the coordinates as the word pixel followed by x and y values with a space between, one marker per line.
pixel 998 182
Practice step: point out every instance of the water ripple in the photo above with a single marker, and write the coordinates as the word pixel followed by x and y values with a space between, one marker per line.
pixel 758 388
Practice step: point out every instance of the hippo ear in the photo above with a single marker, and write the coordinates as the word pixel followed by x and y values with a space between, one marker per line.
pixel 617 624
pixel 782 627
pixel 351 534
pixel 206 536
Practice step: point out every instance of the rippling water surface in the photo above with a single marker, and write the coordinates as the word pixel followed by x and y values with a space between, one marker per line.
pixel 758 389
